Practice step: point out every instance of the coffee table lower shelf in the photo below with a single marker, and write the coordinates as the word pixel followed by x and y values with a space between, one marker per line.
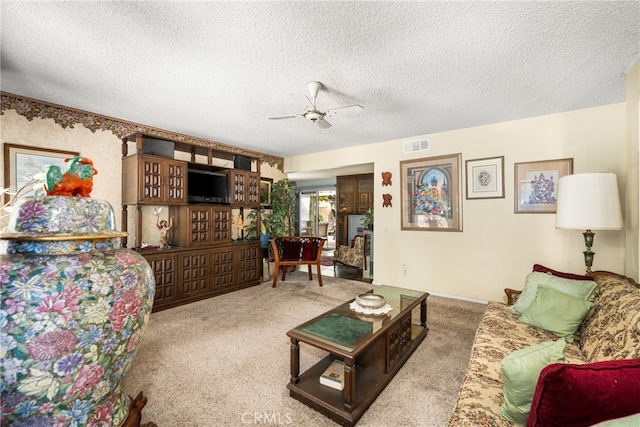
pixel 330 401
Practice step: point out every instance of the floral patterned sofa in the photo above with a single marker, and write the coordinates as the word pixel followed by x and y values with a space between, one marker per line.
pixel 610 331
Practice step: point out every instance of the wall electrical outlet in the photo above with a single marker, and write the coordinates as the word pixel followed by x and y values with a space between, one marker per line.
pixel 404 270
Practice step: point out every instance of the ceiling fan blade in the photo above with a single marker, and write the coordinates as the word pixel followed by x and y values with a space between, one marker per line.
pixel 323 124
pixel 345 111
pixel 284 117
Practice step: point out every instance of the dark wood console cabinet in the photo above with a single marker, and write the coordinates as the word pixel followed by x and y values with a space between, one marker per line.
pixel 186 275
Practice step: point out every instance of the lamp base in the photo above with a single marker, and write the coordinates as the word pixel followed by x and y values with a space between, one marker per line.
pixel 588 255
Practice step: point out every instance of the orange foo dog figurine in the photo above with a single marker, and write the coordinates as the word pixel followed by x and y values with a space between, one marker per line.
pixel 76 181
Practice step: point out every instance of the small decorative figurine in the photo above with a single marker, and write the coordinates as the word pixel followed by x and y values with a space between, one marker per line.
pixel 386 200
pixel 76 181
pixel 386 178
pixel 164 228
pixel 240 225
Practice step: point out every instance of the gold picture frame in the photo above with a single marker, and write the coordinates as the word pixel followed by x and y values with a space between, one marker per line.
pixel 265 192
pixel 22 162
pixel 536 184
pixel 485 178
pixel 431 193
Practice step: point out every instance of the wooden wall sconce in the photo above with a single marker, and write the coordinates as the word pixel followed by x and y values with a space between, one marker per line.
pixel 386 178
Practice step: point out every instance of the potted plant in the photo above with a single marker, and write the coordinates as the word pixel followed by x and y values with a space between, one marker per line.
pixel 265 226
pixel 367 220
pixel 283 208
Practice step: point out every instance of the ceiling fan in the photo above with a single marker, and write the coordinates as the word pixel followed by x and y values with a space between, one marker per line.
pixel 312 113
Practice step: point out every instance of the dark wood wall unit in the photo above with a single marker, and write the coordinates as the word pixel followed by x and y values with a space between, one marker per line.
pixel 203 260
pixel 354 196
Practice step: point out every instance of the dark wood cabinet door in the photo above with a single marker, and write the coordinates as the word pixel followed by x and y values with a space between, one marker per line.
pixel 222 266
pixel 175 177
pixel 245 188
pixel 398 341
pixel 164 272
pixel 248 263
pixel 253 190
pixel 200 226
pixel 152 180
pixel 221 226
pixel 238 188
pixel 194 267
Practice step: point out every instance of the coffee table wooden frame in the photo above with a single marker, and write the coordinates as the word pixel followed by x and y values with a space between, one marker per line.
pixel 368 367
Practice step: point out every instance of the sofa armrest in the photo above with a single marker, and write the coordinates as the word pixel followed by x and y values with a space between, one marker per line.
pixel 512 295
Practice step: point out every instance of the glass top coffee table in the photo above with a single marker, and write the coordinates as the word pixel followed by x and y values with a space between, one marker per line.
pixel 373 348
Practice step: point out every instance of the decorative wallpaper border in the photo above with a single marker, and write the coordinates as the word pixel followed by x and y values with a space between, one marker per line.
pixel 68 117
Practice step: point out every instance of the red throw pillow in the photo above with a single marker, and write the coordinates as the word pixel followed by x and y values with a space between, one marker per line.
pixel 309 251
pixel 291 250
pixel 583 395
pixel 542 269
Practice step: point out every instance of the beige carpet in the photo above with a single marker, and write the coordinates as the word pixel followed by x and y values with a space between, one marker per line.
pixel 225 361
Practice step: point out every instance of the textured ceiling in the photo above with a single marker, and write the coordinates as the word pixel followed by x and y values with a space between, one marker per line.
pixel 219 70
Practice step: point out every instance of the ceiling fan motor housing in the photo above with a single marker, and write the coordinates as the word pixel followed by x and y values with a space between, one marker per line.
pixel 313 115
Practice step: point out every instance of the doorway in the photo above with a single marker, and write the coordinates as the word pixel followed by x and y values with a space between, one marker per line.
pixel 317 215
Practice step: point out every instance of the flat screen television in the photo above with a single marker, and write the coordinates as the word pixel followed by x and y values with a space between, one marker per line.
pixel 207 186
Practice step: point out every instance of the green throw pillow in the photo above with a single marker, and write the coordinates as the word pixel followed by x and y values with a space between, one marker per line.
pixel 630 421
pixel 585 289
pixel 520 372
pixel 556 312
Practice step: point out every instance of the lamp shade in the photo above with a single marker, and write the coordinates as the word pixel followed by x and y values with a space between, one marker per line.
pixel 589 201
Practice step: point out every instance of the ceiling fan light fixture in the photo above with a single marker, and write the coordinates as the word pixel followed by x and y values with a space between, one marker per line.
pixel 313 115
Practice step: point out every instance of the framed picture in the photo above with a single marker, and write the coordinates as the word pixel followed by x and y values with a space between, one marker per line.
pixel 536 184
pixel 485 178
pixel 364 200
pixel 431 193
pixel 21 163
pixel 265 192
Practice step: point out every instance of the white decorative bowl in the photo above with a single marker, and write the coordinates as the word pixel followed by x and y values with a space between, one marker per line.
pixel 370 300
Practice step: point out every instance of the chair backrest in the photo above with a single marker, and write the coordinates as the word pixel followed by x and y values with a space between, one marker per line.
pixel 358 242
pixel 297 248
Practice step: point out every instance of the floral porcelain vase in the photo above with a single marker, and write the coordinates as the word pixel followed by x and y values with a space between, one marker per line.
pixel 74 306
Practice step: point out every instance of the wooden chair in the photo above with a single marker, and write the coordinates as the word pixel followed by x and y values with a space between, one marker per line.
pixel 351 256
pixel 296 250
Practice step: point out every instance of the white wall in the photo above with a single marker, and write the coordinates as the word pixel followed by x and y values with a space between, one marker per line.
pixel 632 228
pixel 497 248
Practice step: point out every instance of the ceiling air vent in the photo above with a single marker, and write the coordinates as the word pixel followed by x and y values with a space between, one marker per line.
pixel 417 145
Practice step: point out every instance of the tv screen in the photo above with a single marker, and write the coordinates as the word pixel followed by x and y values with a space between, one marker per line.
pixel 205 186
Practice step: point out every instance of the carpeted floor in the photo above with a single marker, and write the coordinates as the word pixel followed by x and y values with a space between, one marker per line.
pixel 225 361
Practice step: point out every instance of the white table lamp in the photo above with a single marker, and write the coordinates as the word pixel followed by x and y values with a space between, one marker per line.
pixel 588 201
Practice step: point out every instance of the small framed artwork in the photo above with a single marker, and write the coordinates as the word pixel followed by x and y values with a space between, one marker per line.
pixel 485 178
pixel 22 163
pixel 536 184
pixel 265 192
pixel 431 193
pixel 364 200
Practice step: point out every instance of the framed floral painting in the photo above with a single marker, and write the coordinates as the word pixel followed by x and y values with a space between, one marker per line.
pixel 22 163
pixel 431 193
pixel 485 178
pixel 536 184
